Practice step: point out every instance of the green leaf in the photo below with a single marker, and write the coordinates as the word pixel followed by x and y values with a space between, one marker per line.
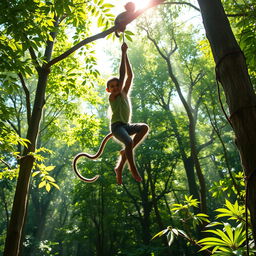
pixel 42 184
pixel 160 233
pixel 49 178
pixel 107 5
pixel 128 37
pixel 55 185
pixel 49 168
pixel 170 238
pixel 129 33
pixel 35 173
pixel 48 187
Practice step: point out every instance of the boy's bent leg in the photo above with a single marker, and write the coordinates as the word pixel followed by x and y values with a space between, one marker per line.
pixel 119 167
pixel 121 134
pixel 140 134
pixel 130 158
pixel 140 131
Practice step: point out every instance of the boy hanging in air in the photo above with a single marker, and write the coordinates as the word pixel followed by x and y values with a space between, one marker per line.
pixel 121 114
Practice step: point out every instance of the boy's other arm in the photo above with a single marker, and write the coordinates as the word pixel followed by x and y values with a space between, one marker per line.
pixel 122 68
pixel 128 81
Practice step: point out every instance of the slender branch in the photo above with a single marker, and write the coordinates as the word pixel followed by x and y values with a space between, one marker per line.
pixel 238 14
pixel 13 126
pixel 241 14
pixel 5 163
pixel 32 53
pixel 183 3
pixel 99 35
pixel 27 97
pixel 169 97
pixel 34 58
pixel 55 115
pixel 206 144
pixel 79 45
pixel 155 44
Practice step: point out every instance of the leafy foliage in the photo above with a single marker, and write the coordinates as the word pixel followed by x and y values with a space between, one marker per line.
pixel 46 180
pixel 229 241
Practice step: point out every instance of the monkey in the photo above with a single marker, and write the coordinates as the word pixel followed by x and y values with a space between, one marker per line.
pixel 130 14
pixel 97 155
pixel 124 18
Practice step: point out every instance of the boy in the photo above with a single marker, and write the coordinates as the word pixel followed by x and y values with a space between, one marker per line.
pixel 121 114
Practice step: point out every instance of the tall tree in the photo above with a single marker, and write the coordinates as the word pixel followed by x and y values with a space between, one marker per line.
pixel 232 73
pixel 28 27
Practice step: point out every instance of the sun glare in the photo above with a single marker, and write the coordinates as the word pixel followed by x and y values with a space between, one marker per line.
pixel 140 3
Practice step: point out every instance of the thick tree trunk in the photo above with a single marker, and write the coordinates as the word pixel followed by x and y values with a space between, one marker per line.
pixel 19 209
pixel 241 99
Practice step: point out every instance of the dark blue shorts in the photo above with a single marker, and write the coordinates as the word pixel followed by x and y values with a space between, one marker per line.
pixel 122 131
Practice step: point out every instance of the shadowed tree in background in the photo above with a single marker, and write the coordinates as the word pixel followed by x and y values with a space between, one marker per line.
pixel 232 73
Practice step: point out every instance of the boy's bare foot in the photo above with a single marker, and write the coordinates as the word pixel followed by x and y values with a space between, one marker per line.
pixel 119 168
pixel 136 175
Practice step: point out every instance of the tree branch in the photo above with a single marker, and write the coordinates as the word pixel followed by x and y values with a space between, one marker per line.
pixel 183 3
pixel 198 9
pixel 79 45
pixel 27 97
pixel 5 163
pixel 34 58
pixel 206 144
pixel 101 34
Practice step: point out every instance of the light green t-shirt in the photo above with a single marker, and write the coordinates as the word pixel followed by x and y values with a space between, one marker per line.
pixel 120 107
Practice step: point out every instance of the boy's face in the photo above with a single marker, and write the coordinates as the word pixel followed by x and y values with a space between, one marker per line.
pixel 113 87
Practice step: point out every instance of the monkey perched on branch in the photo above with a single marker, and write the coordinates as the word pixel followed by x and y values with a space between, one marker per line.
pixel 124 18
pixel 130 14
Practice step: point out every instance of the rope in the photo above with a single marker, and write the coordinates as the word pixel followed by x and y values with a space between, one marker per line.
pixel 123 38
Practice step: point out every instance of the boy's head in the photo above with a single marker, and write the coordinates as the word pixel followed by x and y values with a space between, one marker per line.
pixel 113 85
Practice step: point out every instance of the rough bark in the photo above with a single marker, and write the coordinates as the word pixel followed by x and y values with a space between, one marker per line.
pixel 232 73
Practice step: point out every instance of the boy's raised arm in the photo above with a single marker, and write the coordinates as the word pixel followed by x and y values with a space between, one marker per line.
pixel 122 69
pixel 129 78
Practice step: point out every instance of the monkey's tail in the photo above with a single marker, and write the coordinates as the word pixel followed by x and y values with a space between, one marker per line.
pixel 117 34
pixel 98 154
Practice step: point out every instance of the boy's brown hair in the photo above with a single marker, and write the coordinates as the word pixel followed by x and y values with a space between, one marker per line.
pixel 112 80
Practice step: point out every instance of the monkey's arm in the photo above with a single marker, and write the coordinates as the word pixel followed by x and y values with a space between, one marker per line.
pixel 128 81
